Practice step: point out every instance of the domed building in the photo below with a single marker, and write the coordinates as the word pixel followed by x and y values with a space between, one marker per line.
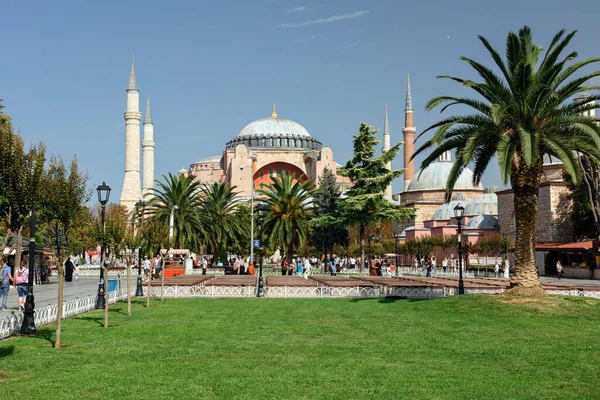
pixel 265 148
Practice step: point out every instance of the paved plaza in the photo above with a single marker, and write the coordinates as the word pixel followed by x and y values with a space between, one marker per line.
pixel 47 293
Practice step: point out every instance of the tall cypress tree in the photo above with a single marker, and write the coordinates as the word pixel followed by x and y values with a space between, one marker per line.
pixel 329 227
pixel 366 203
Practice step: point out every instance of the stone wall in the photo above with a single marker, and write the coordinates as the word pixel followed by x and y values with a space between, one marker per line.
pixel 435 195
pixel 553 224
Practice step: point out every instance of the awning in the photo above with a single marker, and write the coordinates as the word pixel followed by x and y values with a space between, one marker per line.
pixel 587 245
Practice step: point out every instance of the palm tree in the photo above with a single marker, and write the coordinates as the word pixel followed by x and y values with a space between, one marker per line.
pixel 521 115
pixel 287 212
pixel 181 191
pixel 219 213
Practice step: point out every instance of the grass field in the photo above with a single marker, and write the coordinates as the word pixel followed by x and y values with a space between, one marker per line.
pixel 473 347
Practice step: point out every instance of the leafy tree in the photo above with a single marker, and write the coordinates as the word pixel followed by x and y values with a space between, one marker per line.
pixel 366 202
pixel 288 212
pixel 62 195
pixel 521 115
pixel 20 175
pixel 586 198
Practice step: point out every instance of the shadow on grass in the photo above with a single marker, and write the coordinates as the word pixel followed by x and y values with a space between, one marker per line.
pixel 99 319
pixel 389 299
pixel 45 334
pixel 7 351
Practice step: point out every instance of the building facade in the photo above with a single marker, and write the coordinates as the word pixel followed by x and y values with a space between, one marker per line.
pixel 263 149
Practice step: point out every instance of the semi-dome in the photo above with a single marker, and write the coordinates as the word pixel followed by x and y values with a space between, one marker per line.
pixel 446 211
pixel 483 222
pixel 435 176
pixel 485 204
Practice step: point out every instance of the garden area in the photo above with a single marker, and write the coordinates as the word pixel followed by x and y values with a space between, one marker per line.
pixel 492 347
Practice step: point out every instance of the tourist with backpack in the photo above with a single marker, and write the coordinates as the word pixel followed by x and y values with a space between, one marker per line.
pixel 22 282
pixel 5 283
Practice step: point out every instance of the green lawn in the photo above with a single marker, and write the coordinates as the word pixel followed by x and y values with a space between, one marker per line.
pixel 476 347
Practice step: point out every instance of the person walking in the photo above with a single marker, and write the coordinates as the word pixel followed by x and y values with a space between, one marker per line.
pixel 559 269
pixel 204 265
pixel 22 283
pixel 69 267
pixel 146 264
pixel 5 283
pixel 445 264
pixel 428 267
pixel 507 268
pixel 433 264
pixel 496 269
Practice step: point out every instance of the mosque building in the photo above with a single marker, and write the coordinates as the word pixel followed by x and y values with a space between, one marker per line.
pixel 425 191
pixel 266 148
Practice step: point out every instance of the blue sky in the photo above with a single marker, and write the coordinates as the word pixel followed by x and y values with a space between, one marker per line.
pixel 211 67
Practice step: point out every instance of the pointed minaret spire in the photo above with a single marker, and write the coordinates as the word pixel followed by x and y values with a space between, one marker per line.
pixel 148 113
pixel 131 184
pixel 409 138
pixel 132 84
pixel 148 151
pixel 386 147
pixel 409 106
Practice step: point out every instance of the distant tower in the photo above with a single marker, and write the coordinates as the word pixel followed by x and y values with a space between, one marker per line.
pixel 131 185
pixel 409 139
pixel 386 147
pixel 148 151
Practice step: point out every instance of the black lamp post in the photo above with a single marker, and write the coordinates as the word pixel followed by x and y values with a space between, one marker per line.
pixel 103 196
pixel 396 229
pixel 458 213
pixel 260 292
pixel 138 291
pixel 28 325
pixel 504 248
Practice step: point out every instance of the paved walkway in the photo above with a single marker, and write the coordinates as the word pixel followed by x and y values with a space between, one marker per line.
pixel 48 292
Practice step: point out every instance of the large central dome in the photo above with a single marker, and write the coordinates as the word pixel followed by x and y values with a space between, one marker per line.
pixel 275 132
pixel 274 125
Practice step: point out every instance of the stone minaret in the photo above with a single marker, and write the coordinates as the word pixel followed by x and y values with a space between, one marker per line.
pixel 386 147
pixel 148 151
pixel 409 138
pixel 131 185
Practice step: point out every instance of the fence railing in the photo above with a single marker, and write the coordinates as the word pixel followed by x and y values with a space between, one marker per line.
pixel 47 315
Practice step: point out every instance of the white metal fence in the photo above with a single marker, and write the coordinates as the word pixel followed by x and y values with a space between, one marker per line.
pixel 47 315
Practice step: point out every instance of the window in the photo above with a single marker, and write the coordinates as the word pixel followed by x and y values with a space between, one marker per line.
pixel 261 174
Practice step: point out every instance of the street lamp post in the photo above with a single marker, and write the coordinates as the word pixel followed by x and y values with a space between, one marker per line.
pixel 138 290
pixel 396 230
pixel 504 248
pixel 171 244
pixel 458 213
pixel 260 292
pixel 103 196
pixel 251 218
pixel 28 325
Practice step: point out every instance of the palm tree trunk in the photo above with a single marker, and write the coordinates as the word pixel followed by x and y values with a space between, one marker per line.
pixel 362 247
pixel 525 182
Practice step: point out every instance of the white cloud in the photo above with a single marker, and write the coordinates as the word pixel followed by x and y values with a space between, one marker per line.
pixel 328 20
pixel 296 9
pixel 354 44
